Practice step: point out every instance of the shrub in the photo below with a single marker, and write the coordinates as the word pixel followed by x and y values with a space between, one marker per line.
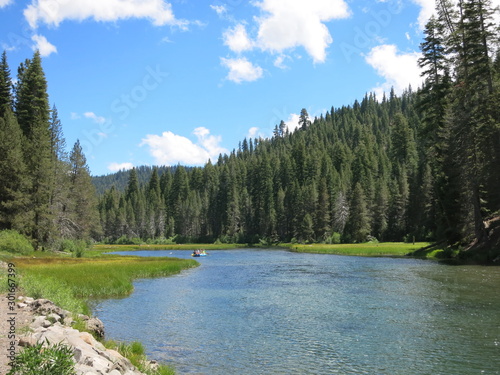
pixel 335 238
pixel 77 247
pixel 124 240
pixel 44 360
pixel 14 242
pixel 65 245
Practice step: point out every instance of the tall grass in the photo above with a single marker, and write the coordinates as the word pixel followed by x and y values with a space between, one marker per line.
pixel 136 353
pixel 363 249
pixel 105 247
pixel 70 282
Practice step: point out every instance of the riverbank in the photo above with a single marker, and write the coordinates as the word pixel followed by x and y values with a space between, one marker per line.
pixel 383 249
pixel 70 283
pixel 108 248
pixel 40 321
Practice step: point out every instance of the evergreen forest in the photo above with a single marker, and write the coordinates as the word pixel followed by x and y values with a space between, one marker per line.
pixel 422 165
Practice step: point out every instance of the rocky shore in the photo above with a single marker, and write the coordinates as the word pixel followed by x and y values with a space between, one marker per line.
pixel 49 323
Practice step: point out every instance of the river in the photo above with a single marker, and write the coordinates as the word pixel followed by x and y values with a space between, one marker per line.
pixel 275 312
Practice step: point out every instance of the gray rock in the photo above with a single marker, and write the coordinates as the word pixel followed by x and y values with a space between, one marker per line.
pixel 45 307
pixel 40 321
pixel 53 317
pixel 96 326
pixel 90 356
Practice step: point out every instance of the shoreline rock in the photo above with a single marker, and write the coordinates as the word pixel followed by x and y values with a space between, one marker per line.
pixel 53 324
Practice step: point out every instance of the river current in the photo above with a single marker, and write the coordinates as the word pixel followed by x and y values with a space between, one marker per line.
pixel 275 312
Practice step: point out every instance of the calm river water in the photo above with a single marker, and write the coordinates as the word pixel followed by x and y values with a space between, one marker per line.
pixel 275 312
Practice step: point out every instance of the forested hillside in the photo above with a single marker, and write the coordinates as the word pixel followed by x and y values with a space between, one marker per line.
pixel 423 165
pixel 120 179
pixel 45 193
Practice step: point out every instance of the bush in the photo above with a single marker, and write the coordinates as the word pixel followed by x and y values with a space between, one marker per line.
pixel 13 242
pixel 44 360
pixel 124 240
pixel 335 239
pixel 77 247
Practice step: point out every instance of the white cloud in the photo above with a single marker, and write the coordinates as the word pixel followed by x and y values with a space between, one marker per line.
pixel 170 149
pixel 292 23
pixel 253 132
pixel 219 9
pixel 279 62
pixel 4 3
pixel 115 167
pixel 398 70
pixel 53 12
pixel 427 10
pixel 293 122
pixel 209 142
pixel 75 116
pixel 43 45
pixel 241 70
pixel 237 39
pixel 94 117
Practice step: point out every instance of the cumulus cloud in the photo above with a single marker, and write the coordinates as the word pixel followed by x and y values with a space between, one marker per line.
pixel 293 122
pixel 427 10
pixel 237 39
pixel 43 45
pixel 94 117
pixel 53 12
pixel 398 69
pixel 241 70
pixel 293 23
pixel 115 167
pixel 170 149
pixel 4 3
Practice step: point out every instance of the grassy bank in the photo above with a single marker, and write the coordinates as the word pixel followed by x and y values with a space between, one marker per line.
pixel 104 247
pixel 71 282
pixel 394 249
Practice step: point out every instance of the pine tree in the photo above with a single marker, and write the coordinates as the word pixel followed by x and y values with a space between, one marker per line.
pixel 60 199
pixel 14 183
pixel 5 86
pixel 358 224
pixel 33 114
pixel 82 196
pixel 304 121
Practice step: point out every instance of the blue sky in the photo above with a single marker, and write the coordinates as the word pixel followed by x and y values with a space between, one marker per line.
pixel 157 82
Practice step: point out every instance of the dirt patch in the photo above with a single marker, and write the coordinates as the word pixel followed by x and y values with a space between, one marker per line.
pixel 18 318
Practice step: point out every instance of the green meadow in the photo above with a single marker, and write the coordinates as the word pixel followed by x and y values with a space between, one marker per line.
pixel 394 249
pixel 71 282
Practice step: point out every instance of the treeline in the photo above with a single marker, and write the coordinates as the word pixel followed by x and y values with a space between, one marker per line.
pixel 46 193
pixel 120 179
pixel 421 166
pixel 348 175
